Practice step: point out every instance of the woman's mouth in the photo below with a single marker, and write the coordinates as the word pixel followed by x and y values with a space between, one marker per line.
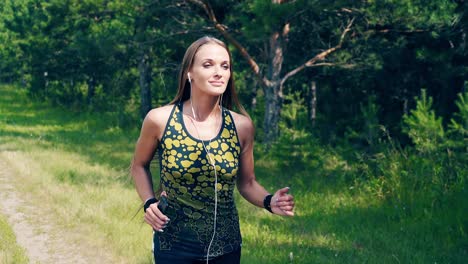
pixel 217 83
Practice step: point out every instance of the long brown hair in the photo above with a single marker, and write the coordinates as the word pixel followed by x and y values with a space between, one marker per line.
pixel 229 98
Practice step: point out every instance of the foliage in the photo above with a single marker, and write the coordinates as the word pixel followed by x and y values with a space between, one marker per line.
pixel 425 182
pixel 86 54
pixel 352 206
pixel 423 126
pixel 458 127
pixel 357 168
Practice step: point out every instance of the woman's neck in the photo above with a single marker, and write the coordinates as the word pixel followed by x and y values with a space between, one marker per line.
pixel 202 109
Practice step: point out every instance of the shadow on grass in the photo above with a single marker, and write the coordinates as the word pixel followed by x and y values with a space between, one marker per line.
pixel 359 235
pixel 331 225
pixel 95 136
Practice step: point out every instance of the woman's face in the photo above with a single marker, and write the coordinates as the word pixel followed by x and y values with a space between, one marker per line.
pixel 210 71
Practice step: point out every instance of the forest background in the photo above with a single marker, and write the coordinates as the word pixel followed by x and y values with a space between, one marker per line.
pixel 360 106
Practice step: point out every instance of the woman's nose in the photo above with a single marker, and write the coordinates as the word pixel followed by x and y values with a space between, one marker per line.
pixel 216 71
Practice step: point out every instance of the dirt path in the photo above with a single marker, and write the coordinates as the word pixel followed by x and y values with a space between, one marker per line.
pixel 44 241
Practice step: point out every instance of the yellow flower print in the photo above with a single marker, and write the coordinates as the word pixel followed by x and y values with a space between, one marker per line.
pixel 177 126
pixel 193 156
pixel 228 156
pixel 224 146
pixel 225 133
pixel 171 159
pixel 188 177
pixel 226 176
pixel 171 162
pixel 211 157
pixel 176 174
pixel 214 144
pixel 194 170
pixel 186 163
pixel 202 178
pixel 189 142
pixel 196 215
pixel 169 176
pixel 208 191
pixel 168 143
pixel 218 158
pixel 182 189
pixel 228 120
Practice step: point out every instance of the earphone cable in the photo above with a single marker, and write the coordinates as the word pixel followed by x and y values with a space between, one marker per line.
pixel 212 162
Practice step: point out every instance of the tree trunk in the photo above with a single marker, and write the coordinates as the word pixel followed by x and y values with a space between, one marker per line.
pixel 273 104
pixel 91 90
pixel 273 89
pixel 272 83
pixel 405 102
pixel 313 103
pixel 253 94
pixel 145 79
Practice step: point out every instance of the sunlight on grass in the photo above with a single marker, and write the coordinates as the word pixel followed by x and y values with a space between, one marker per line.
pixel 90 202
pixel 75 166
pixel 10 251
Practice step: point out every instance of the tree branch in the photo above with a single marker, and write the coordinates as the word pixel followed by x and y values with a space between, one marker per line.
pixel 321 56
pixel 223 30
pixel 401 32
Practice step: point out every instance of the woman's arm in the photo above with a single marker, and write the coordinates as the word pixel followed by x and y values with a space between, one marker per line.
pixel 282 203
pixel 150 135
pixel 144 151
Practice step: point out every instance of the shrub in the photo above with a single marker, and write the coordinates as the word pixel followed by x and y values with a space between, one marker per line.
pixel 423 126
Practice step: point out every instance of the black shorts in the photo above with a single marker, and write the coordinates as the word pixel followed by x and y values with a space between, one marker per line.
pixel 230 258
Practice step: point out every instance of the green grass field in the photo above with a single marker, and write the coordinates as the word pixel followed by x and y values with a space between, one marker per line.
pixel 79 162
pixel 10 251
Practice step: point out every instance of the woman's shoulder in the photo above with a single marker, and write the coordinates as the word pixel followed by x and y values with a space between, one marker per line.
pixel 159 116
pixel 244 124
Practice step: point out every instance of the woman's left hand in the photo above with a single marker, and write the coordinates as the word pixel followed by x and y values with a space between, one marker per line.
pixel 282 203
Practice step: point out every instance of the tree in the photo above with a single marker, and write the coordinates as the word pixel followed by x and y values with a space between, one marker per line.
pixel 276 30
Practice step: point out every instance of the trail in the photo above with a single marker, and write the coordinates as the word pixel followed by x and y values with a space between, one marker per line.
pixel 44 240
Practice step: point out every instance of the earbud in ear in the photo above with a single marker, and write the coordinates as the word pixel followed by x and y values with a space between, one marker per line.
pixel 188 75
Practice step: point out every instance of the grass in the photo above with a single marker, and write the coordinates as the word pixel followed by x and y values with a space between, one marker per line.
pixel 79 161
pixel 10 251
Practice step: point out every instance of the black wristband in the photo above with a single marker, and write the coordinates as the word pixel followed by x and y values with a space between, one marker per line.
pixel 149 202
pixel 267 203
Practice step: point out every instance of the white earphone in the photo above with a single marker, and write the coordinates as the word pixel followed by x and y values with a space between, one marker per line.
pixel 189 79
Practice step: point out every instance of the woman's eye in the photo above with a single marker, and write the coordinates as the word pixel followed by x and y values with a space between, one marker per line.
pixel 206 65
pixel 226 67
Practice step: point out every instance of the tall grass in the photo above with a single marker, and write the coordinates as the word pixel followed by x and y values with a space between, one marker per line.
pixel 10 251
pixel 389 205
pixel 75 167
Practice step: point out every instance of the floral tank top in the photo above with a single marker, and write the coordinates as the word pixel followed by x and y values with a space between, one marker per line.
pixel 189 181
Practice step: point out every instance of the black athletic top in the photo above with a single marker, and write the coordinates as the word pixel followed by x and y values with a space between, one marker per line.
pixel 188 179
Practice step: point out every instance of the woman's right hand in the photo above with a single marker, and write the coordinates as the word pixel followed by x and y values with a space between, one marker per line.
pixel 155 218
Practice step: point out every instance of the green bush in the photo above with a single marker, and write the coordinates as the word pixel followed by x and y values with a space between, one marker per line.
pixel 423 126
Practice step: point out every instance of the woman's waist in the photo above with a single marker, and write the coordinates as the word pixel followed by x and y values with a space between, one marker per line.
pixel 202 206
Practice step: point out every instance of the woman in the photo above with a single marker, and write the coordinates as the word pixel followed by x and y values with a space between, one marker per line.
pixel 204 150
